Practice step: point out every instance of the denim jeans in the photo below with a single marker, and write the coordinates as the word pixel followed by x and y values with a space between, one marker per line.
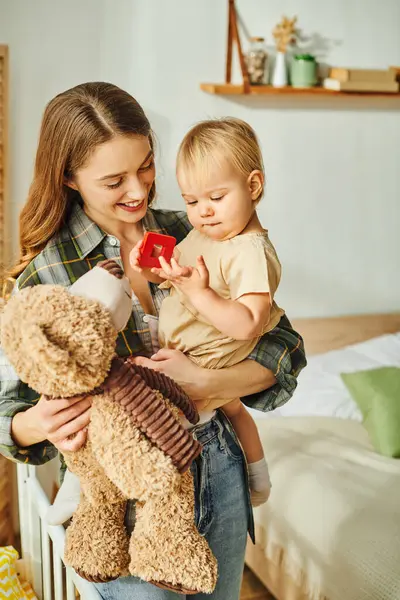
pixel 223 515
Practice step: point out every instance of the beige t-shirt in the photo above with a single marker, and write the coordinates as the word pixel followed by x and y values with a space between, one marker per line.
pixel 246 264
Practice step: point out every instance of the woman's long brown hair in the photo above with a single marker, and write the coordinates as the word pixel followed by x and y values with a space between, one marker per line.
pixel 73 124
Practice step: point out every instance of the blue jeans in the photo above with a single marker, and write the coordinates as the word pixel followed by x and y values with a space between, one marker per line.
pixel 223 516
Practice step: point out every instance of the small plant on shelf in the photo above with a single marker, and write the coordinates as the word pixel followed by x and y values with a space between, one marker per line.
pixel 285 33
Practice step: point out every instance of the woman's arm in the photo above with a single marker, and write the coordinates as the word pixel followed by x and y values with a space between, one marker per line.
pixel 17 440
pixel 243 379
pixel 16 398
pixel 31 430
pixel 264 381
pixel 247 377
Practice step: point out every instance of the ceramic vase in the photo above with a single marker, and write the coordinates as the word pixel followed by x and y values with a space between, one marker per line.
pixel 280 77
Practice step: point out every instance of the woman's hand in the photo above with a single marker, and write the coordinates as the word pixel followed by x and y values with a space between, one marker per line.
pixel 134 261
pixel 179 368
pixel 63 422
pixel 134 257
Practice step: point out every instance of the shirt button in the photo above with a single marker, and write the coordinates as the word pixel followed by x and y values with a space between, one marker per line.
pixel 113 241
pixel 145 319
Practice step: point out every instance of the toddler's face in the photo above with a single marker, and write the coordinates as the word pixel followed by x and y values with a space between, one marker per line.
pixel 220 203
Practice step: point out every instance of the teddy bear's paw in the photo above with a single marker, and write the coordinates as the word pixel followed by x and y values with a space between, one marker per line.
pixel 166 547
pixel 97 544
pixel 174 588
pixel 94 578
pixel 184 564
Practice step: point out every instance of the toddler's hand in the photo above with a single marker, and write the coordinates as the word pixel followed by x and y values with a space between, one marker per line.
pixel 173 271
pixel 190 280
pixel 134 257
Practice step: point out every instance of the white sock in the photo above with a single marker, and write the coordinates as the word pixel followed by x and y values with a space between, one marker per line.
pixel 66 502
pixel 259 481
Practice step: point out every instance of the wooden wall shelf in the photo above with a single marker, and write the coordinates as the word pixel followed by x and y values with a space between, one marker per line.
pixel 229 89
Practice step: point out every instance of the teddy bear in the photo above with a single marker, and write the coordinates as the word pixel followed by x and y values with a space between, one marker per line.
pixel 62 344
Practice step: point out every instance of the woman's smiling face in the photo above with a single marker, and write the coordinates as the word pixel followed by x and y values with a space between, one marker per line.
pixel 116 181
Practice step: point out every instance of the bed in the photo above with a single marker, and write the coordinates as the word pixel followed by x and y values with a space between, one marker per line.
pixel 331 529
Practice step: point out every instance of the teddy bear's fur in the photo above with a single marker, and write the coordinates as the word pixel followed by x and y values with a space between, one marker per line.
pixel 62 346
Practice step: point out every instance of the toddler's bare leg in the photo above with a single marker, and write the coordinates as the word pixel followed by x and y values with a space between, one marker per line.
pixel 245 429
pixel 247 432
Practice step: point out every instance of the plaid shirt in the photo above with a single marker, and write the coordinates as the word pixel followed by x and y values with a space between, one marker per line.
pixel 76 249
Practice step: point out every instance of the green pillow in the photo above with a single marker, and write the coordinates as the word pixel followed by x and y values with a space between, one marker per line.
pixel 377 393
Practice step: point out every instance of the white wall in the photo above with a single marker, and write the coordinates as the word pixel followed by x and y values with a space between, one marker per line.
pixel 333 196
pixel 44 60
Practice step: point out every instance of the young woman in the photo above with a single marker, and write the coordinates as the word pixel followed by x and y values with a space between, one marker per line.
pixel 90 199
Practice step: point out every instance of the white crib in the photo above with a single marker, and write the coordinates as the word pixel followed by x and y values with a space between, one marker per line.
pixel 43 546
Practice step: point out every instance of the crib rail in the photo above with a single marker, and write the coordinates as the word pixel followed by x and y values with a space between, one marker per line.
pixel 43 545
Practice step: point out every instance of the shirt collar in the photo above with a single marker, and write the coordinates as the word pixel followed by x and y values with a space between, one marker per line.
pixel 85 234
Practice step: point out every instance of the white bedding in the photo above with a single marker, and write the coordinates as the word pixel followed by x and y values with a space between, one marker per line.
pixel 333 519
pixel 320 390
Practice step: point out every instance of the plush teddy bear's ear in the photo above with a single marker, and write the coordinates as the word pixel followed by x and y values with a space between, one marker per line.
pixel 48 353
pixel 27 341
pixel 59 344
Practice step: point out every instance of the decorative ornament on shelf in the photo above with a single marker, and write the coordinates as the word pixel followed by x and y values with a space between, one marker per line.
pixel 257 61
pixel 284 33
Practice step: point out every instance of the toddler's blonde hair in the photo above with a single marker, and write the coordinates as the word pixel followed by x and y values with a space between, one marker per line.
pixel 214 140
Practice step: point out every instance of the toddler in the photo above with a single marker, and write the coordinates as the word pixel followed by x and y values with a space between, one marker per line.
pixel 224 275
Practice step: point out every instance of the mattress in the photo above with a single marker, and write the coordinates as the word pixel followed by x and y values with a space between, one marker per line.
pixel 321 391
pixel 331 529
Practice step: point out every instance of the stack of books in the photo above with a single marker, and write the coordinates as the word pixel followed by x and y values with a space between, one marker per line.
pixel 362 80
